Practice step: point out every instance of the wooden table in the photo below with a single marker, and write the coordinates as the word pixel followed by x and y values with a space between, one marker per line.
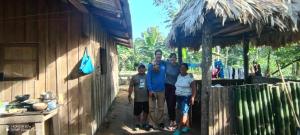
pixel 38 118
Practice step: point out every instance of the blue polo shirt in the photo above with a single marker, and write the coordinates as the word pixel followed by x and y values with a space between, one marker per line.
pixel 156 80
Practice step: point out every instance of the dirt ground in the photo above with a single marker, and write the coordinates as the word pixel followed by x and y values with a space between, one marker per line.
pixel 120 119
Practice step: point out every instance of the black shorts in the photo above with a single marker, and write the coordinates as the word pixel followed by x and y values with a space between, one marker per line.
pixel 140 107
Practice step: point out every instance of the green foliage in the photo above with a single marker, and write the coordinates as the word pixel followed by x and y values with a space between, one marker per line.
pixel 170 7
pixel 151 36
pixel 235 56
pixel 284 55
pixel 143 49
pixel 184 54
pixel 287 54
pixel 126 58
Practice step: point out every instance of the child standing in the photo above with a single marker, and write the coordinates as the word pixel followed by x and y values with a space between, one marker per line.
pixel 141 107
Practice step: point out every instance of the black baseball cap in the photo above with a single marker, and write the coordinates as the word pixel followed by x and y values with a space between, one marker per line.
pixel 141 66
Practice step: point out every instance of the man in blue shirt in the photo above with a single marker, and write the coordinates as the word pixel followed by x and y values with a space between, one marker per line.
pixel 156 85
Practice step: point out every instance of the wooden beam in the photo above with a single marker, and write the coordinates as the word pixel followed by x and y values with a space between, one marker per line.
pixel 119 34
pixel 21 44
pixel 79 6
pixel 226 29
pixel 206 78
pixel 108 17
pixel 106 13
pixel 122 40
pixel 127 16
pixel 180 54
pixel 113 24
pixel 124 44
pixel 245 57
pixel 105 5
pixel 243 30
pixel 230 40
pixel 118 4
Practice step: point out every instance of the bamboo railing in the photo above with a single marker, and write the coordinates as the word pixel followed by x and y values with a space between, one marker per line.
pixel 253 109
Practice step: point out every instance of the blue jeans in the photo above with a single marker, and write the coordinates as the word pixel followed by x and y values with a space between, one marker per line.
pixel 183 104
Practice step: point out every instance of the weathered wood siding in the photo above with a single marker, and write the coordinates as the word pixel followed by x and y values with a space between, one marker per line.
pixel 62 33
pixel 105 85
pixel 220 111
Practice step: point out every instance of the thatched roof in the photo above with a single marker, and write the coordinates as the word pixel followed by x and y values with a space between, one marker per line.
pixel 266 22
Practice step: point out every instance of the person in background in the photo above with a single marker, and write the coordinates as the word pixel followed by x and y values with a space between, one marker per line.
pixel 141 105
pixel 172 72
pixel 185 96
pixel 233 73
pixel 156 86
pixel 214 73
pixel 220 68
pixel 257 69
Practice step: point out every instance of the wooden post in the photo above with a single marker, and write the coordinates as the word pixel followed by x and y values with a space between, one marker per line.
pixel 40 128
pixel 246 58
pixel 180 54
pixel 206 78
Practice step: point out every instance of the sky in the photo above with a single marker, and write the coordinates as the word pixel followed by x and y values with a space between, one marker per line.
pixel 144 15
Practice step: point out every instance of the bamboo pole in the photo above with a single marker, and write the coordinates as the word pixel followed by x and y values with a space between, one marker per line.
pixel 270 107
pixel 252 110
pixel 289 97
pixel 257 109
pixel 279 118
pixel 246 114
pixel 266 110
pixel 239 110
pixel 286 110
pixel 295 97
pixel 262 114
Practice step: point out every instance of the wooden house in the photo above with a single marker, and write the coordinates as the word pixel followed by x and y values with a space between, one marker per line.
pixel 41 45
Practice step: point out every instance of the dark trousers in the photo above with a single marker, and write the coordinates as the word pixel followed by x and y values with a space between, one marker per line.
pixel 171 100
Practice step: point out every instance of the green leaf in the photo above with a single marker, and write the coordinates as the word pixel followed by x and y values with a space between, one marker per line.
pixel 184 54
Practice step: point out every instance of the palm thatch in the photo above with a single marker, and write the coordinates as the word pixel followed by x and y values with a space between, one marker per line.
pixel 265 22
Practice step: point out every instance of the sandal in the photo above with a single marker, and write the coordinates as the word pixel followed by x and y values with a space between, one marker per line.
pixel 177 132
pixel 185 130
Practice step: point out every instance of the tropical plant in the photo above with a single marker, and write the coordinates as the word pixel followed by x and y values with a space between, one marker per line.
pixel 170 7
pixel 143 49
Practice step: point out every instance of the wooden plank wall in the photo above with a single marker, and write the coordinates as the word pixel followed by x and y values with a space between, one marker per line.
pixel 220 111
pixel 57 27
pixel 105 85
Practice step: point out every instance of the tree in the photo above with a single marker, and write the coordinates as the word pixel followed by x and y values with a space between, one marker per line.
pixel 126 59
pixel 171 7
pixel 143 49
pixel 289 55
